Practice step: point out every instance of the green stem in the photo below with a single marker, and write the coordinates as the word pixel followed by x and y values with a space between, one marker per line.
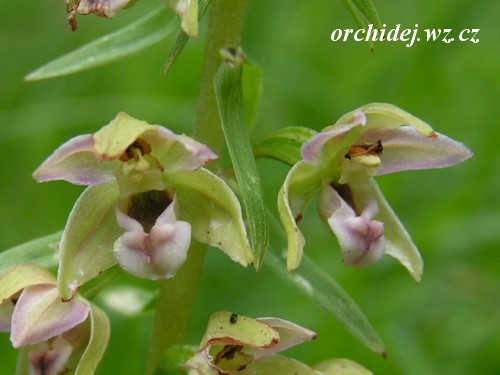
pixel 224 30
pixel 176 296
pixel 175 302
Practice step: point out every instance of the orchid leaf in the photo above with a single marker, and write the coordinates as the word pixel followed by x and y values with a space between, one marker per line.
pixel 251 86
pixel 364 11
pixel 99 337
pixel 228 91
pixel 319 286
pixel 141 34
pixel 283 144
pixel 86 247
pixel 41 251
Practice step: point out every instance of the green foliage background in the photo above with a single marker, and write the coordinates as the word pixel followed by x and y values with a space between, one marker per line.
pixel 449 324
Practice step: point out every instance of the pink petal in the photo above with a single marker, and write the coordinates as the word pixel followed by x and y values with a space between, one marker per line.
pixel 40 314
pixel 157 254
pixel 405 148
pixel 76 162
pixel 50 361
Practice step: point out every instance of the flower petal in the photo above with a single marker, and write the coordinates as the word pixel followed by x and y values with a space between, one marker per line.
pixel 212 209
pixel 157 254
pixel 398 243
pixel 316 148
pixel 361 239
pixel 405 148
pixel 290 334
pixel 76 162
pixel 341 366
pixel 40 314
pixel 278 364
pixel 86 247
pixel 301 183
pixel 187 10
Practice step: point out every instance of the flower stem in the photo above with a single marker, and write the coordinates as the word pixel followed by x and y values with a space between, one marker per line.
pixel 224 30
pixel 176 296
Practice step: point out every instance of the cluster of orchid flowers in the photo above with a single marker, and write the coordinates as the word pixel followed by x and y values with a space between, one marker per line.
pixel 149 195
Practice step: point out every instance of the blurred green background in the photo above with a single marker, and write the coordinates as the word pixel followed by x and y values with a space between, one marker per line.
pixel 448 324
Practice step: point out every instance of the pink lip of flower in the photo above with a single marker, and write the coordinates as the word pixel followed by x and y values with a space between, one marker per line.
pixel 339 161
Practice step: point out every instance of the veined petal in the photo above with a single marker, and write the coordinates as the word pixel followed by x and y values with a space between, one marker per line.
pixel 398 242
pixel 405 148
pixel 76 162
pixel 40 314
pixel 361 239
pixel 212 209
pixel 157 254
pixel 301 183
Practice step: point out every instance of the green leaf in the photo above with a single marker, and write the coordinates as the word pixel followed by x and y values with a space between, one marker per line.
pixel 173 358
pixel 251 86
pixel 99 337
pixel 283 144
pixel 87 242
pixel 320 287
pixel 139 35
pixel 213 211
pixel 228 92
pixel 41 252
pixel 183 38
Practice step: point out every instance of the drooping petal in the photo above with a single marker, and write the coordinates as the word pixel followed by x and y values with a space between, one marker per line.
pixel 50 361
pixel 405 148
pixel 187 10
pixel 157 254
pixel 40 314
pixel 398 243
pixel 86 247
pixel 361 239
pixel 212 209
pixel 301 183
pixel 290 334
pixel 76 162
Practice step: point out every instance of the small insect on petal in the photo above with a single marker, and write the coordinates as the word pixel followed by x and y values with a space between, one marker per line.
pixel 233 318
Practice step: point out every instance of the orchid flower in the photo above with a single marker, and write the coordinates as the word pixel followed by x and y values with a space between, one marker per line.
pixel 102 8
pixel 233 343
pixel 54 334
pixel 148 195
pixel 340 162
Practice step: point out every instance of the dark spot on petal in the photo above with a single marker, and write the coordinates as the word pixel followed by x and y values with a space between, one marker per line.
pixel 345 193
pixel 233 319
pixel 227 353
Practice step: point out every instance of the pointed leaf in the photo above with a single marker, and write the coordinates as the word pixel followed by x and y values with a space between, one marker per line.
pixel 320 287
pixel 283 144
pixel 41 252
pixel 228 91
pixel 213 211
pixel 99 337
pixel 364 12
pixel 87 242
pixel 183 38
pixel 139 35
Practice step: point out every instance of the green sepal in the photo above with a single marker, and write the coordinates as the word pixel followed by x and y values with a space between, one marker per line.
pixel 98 341
pixel 139 35
pixel 22 276
pixel 320 287
pixel 301 183
pixel 210 206
pixel 86 247
pixel 283 144
pixel 341 366
pixel 228 92
pixel 41 251
pixel 278 364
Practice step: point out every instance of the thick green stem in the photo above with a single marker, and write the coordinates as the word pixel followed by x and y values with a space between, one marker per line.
pixel 176 296
pixel 224 30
